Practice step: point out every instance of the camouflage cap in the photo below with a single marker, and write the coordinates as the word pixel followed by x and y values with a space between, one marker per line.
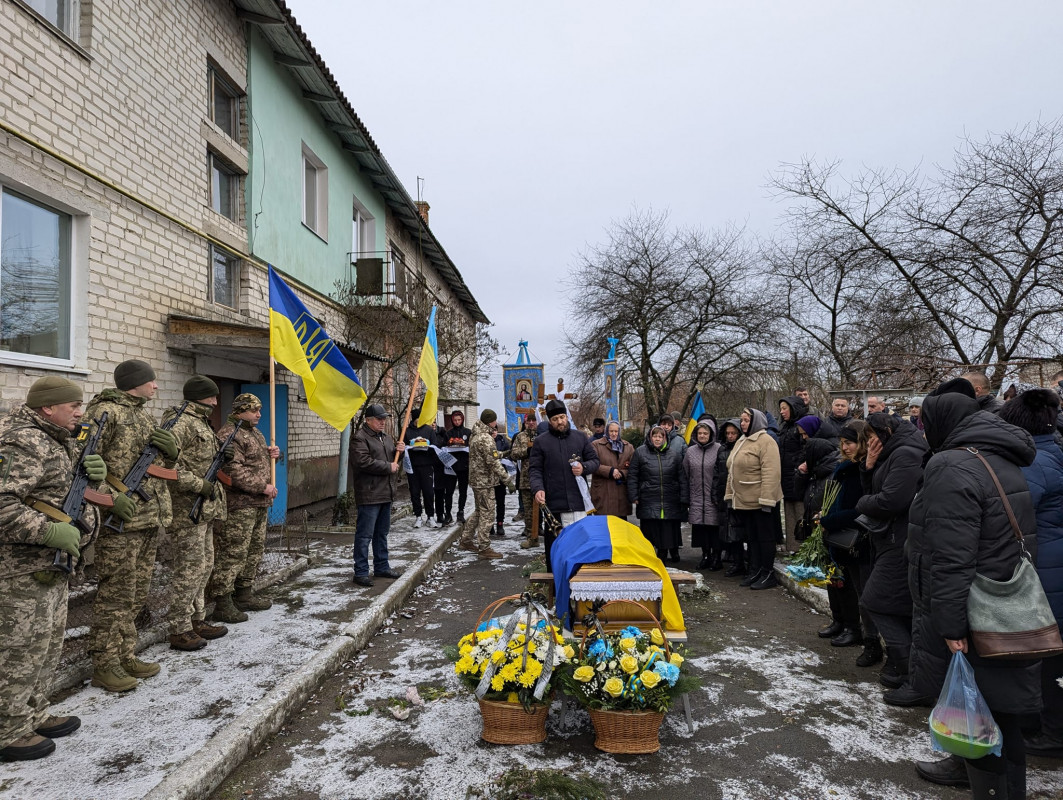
pixel 246 402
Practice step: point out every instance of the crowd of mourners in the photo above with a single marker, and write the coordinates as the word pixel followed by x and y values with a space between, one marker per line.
pixel 926 513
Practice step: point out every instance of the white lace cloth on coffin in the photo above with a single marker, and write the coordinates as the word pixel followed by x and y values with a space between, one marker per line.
pixel 615 590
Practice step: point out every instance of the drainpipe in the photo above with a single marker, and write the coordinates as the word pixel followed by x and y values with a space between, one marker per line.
pixel 345 445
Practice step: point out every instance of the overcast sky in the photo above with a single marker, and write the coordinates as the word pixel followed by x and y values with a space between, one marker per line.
pixel 536 124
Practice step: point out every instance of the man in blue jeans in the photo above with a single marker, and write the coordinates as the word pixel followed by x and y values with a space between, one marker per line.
pixel 374 466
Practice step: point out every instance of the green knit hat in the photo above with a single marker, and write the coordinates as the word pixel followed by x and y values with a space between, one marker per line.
pixel 131 374
pixel 487 416
pixel 200 387
pixel 52 391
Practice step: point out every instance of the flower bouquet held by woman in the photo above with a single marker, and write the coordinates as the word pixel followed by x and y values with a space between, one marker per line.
pixel 812 564
pixel 510 664
pixel 627 680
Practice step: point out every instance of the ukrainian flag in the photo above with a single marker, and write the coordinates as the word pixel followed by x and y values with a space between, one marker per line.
pixel 605 538
pixel 298 341
pixel 429 372
pixel 695 412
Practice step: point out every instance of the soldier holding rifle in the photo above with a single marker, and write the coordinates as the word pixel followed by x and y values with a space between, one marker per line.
pixel 38 447
pixel 125 550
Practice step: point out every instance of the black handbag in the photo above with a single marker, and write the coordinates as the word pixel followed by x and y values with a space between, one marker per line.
pixel 845 539
pixel 873 525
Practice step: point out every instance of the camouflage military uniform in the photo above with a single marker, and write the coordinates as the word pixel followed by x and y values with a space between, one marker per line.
pixel 124 561
pixel 193 543
pixel 519 451
pixel 242 540
pixel 35 463
pixel 485 472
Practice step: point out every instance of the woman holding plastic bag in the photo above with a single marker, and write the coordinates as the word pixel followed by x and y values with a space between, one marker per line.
pixel 959 527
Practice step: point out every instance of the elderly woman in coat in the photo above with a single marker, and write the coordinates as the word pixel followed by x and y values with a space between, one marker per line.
pixel 959 527
pixel 657 484
pixel 754 489
pixel 700 465
pixel 609 488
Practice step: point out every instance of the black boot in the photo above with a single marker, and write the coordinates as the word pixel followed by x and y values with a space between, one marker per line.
pixel 1016 776
pixel 767 581
pixel 950 771
pixel 751 578
pixel 830 631
pixel 872 653
pixel 673 555
pixel 847 638
pixel 987 785
pixel 894 672
pixel 717 563
pixel 706 559
pixel 906 697
pixel 736 568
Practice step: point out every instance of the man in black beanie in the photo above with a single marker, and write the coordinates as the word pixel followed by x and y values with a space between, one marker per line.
pixel 557 459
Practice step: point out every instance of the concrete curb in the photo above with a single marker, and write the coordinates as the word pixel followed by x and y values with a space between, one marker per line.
pixel 203 771
pixel 812 596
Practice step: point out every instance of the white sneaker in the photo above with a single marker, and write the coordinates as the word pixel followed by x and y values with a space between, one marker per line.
pixel 436 523
pixel 418 523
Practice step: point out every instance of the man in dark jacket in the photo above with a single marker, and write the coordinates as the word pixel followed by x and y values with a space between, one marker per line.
pixel 456 440
pixel 557 459
pixel 791 447
pixel 374 465
pixel 960 527
pixel 983 392
pixel 840 414
pixel 418 440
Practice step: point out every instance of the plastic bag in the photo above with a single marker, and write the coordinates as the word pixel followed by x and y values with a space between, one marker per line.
pixel 961 722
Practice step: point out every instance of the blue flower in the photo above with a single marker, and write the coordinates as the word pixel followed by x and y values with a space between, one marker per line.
pixel 669 672
pixel 491 623
pixel 600 650
pixel 631 631
pixel 803 572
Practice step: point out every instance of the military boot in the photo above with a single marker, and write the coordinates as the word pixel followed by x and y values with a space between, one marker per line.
pixel 208 631
pixel 225 611
pixel 529 543
pixel 113 679
pixel 189 640
pixel 139 669
pixel 27 748
pixel 245 599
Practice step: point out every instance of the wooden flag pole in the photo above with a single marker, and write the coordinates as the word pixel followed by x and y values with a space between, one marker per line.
pixel 272 417
pixel 409 407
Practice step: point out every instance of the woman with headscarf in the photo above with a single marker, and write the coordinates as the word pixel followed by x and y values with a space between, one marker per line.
pixel 960 527
pixel 1035 411
pixel 609 488
pixel 700 465
pixel 754 489
pixel 731 538
pixel 657 484
pixel 791 446
pixel 892 468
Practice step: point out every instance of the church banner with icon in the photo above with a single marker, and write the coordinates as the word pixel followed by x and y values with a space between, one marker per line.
pixel 612 391
pixel 522 383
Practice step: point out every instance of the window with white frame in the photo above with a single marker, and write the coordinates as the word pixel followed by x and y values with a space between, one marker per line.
pixel 315 193
pixel 224 104
pixel 224 188
pixel 224 283
pixel 63 14
pixel 35 278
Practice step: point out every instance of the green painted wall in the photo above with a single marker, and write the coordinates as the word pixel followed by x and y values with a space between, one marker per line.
pixel 280 122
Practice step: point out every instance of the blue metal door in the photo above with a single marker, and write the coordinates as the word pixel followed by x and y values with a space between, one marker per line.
pixel 279 509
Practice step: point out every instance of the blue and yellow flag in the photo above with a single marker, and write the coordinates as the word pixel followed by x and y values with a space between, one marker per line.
pixel 298 341
pixel 605 538
pixel 429 371
pixel 695 412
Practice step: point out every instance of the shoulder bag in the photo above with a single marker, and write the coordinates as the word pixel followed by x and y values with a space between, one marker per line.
pixel 1011 619
pixel 848 539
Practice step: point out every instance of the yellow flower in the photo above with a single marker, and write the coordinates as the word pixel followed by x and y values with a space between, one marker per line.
pixel 629 664
pixel 464 664
pixel 569 652
pixel 497 682
pixel 466 639
pixel 531 647
pixel 614 687
pixel 534 667
pixel 465 649
pixel 627 644
pixel 649 679
pixel 512 698
pixel 509 672
pixel 655 636
pixel 527 679
pixel 498 656
pixel 676 660
pixel 583 674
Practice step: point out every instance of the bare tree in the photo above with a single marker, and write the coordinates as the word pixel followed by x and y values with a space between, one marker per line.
pixel 677 299
pixel 976 254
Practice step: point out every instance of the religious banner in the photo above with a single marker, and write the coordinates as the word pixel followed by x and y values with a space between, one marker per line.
pixel 522 383
pixel 612 391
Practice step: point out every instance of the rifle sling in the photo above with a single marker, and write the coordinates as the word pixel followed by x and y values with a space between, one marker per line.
pixel 116 484
pixel 48 510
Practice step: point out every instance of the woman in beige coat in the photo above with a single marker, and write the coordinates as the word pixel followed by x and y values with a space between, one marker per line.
pixel 608 490
pixel 754 489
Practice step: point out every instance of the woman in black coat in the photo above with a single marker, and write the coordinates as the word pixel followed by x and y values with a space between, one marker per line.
pixel 730 533
pixel 959 527
pixel 657 484
pixel 892 469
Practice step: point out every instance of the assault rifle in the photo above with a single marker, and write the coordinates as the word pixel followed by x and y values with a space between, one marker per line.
pixel 130 485
pixel 79 492
pixel 212 475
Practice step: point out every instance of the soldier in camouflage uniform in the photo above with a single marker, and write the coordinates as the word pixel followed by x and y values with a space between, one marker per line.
pixel 519 451
pixel 193 542
pixel 485 472
pixel 125 561
pixel 242 540
pixel 37 451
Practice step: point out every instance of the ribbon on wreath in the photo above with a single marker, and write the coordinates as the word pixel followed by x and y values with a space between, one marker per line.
pixel 528 604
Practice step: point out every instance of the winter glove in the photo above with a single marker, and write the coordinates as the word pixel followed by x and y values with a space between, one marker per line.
pixel 165 441
pixel 206 491
pixel 95 467
pixel 64 536
pixel 512 486
pixel 228 453
pixel 125 507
